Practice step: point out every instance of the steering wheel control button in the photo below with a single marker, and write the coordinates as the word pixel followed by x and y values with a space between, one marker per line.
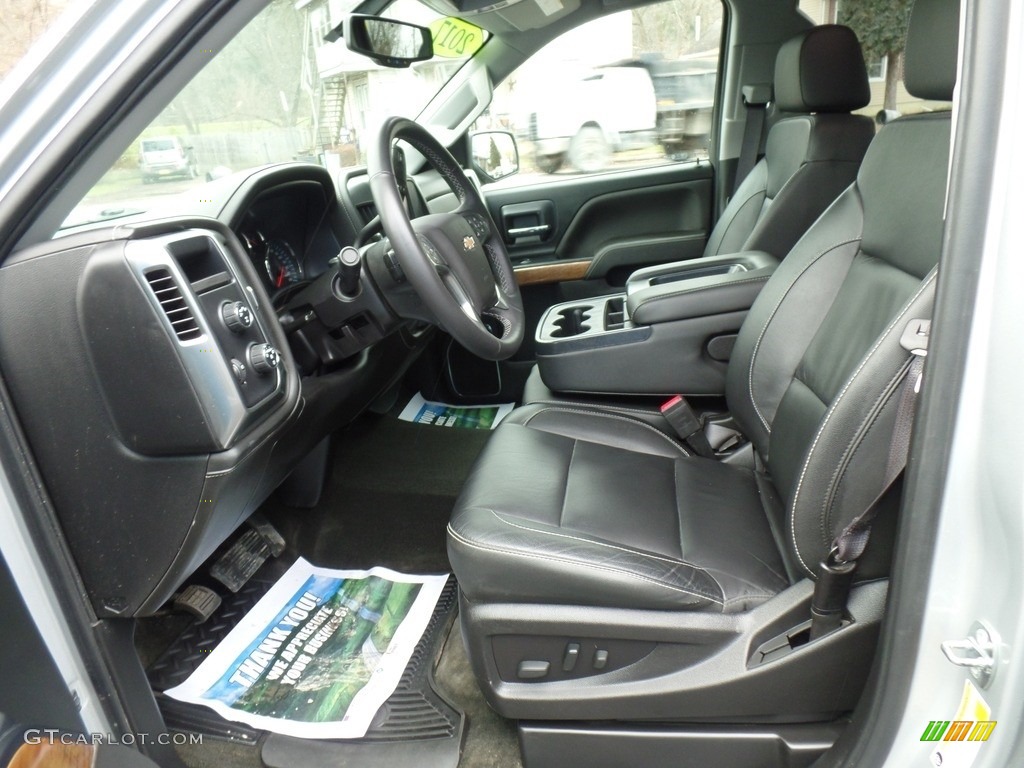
pixel 476 221
pixel 394 269
pixel 236 316
pixel 263 358
pixel 533 670
pixel 432 253
pixel 238 370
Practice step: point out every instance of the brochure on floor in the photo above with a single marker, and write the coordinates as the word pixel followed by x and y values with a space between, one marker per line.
pixel 319 653
pixel 420 411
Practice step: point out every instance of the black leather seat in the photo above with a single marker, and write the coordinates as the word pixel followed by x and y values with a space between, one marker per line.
pixel 586 507
pixel 571 506
pixel 811 156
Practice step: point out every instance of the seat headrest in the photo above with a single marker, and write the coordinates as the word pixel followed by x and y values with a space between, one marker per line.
pixel 929 63
pixel 821 70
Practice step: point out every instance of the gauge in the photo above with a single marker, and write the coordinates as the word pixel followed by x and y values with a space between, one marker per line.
pixel 253 241
pixel 283 268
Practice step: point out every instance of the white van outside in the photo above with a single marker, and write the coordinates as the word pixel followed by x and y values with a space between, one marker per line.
pixel 164 157
pixel 608 110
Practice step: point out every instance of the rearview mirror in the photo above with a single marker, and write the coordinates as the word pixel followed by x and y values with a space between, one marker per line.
pixel 386 41
pixel 494 154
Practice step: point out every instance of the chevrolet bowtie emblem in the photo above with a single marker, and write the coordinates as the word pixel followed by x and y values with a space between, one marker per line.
pixel 468 243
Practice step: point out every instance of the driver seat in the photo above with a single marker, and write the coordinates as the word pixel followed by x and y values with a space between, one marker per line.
pixel 606 573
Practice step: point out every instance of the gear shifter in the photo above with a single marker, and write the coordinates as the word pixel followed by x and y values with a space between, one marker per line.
pixel 349 268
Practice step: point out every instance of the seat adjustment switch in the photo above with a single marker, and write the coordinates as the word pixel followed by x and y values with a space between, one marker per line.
pixel 532 670
pixel 572 654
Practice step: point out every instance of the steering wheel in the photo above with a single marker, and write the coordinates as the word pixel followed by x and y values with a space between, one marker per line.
pixel 456 262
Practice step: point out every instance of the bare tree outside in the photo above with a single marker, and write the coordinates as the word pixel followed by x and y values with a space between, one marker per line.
pixel 387 39
pixel 881 26
pixel 22 22
pixel 676 29
pixel 258 78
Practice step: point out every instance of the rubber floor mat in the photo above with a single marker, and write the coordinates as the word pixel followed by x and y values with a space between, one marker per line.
pixel 414 722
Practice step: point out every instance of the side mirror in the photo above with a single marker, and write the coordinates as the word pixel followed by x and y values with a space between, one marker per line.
pixel 386 41
pixel 493 154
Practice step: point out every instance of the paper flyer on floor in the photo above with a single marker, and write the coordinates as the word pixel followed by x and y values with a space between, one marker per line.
pixel 319 653
pixel 422 411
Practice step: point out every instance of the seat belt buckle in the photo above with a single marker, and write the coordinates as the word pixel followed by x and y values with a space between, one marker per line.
pixel 687 425
pixel 831 592
pixel 681 416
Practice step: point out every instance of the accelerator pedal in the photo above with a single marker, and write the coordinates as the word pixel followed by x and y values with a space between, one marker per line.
pixel 269 533
pixel 246 555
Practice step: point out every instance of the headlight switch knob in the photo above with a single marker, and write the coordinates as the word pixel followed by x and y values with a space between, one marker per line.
pixel 264 358
pixel 236 315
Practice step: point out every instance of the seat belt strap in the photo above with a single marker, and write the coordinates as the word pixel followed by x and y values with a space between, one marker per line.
pixel 755 98
pixel 687 424
pixel 850 544
pixel 836 571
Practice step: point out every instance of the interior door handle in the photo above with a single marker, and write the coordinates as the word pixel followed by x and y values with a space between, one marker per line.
pixel 538 229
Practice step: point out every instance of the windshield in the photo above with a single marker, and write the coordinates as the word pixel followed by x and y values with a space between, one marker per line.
pixel 280 91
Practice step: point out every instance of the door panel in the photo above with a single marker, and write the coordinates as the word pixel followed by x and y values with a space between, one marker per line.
pixel 600 229
pixel 584 217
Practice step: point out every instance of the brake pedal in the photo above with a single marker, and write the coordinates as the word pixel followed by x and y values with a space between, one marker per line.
pixel 201 602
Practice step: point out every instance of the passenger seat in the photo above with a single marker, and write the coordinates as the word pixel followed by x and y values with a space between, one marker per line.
pixel 810 157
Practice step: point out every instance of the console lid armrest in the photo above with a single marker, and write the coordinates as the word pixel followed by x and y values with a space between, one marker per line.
pixel 698 287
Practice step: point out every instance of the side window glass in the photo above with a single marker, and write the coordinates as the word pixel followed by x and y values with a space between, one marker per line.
pixel 882 30
pixel 632 89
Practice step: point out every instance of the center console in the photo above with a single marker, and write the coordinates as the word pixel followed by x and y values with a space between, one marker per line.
pixel 671 332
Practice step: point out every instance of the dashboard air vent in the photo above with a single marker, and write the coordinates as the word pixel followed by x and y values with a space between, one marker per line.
pixel 173 304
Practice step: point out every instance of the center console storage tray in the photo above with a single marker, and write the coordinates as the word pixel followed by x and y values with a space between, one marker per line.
pixel 672 332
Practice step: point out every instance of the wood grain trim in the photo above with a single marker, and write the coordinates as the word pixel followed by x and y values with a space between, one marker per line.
pixel 552 272
pixel 50 754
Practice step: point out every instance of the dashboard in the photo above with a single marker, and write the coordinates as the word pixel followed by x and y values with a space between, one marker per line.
pixel 164 395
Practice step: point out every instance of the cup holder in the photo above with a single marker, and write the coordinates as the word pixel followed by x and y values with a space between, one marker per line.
pixel 571 321
pixel 615 314
pixel 590 318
